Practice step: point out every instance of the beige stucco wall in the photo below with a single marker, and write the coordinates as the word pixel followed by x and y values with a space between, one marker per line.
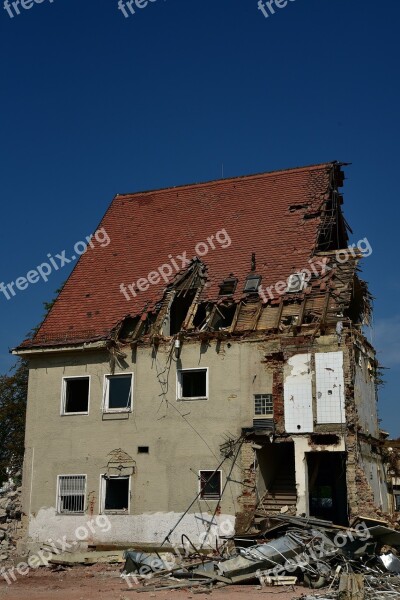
pixel 166 480
pixel 183 437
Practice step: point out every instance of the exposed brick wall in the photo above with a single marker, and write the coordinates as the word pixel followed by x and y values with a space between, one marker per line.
pixel 247 500
pixel 275 353
pixel 360 493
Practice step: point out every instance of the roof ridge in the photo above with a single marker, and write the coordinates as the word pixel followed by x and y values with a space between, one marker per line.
pixel 312 167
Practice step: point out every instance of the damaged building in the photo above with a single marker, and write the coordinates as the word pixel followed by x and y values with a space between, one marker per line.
pixel 207 366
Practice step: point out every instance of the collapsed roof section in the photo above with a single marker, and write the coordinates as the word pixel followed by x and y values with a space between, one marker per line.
pixel 254 253
pixel 325 304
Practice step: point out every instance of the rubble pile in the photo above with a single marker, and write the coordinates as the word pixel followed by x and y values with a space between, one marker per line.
pixel 358 562
pixel 10 520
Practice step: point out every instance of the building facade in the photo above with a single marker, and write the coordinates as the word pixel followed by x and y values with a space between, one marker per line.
pixel 206 367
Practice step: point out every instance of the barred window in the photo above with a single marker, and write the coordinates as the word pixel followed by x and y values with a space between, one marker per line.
pixel 71 493
pixel 263 404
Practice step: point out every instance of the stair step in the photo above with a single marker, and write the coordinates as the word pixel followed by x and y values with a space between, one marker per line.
pixel 278 503
pixel 282 493
pixel 277 506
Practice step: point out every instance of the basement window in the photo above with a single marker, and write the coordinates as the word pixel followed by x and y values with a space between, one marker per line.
pixel 192 384
pixel 75 395
pixel 118 393
pixel 210 485
pixel 116 494
pixel 71 491
pixel 263 405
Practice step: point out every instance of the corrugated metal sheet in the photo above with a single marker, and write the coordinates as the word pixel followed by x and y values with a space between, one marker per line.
pixel 266 424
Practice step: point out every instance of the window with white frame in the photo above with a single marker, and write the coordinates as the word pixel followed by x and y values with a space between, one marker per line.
pixel 192 384
pixel 396 496
pixel 75 395
pixel 263 405
pixel 210 485
pixel 118 393
pixel 71 492
pixel 116 493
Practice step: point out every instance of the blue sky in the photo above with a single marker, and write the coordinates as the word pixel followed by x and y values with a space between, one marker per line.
pixel 94 103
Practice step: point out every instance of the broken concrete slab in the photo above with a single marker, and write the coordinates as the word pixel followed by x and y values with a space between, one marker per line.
pixel 88 558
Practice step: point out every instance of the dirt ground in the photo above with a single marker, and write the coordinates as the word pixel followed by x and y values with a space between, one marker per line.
pixel 103 582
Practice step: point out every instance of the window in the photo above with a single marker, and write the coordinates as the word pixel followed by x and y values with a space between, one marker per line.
pixel 210 485
pixel 71 491
pixel 118 393
pixel 263 404
pixel 143 449
pixel 252 283
pixel 192 384
pixel 228 286
pixel 396 494
pixel 75 395
pixel 116 493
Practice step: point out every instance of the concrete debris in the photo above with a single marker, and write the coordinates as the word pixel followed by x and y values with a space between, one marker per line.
pixel 85 558
pixel 10 521
pixel 351 564
pixel 279 580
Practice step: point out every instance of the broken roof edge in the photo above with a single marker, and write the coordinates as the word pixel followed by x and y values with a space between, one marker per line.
pixel 312 167
pixel 30 349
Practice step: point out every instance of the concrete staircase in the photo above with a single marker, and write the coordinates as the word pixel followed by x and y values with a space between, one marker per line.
pixel 282 492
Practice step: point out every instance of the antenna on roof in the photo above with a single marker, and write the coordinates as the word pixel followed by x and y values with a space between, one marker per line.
pixel 222 170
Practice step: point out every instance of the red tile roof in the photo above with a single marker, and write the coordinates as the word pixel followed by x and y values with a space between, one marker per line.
pixel 148 228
